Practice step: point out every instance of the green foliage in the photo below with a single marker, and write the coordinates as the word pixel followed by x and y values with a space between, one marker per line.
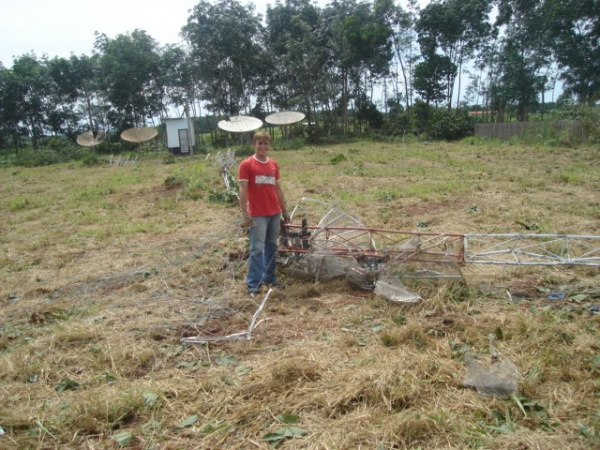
pixel 421 114
pixel 244 151
pixel 227 63
pixel 91 159
pixel 222 196
pixel 449 126
pixel 276 438
pixel 292 144
pixel 322 61
pixel 473 140
pixel 431 79
pixel 436 123
pixel 572 30
pixel 589 116
pixel 367 111
pixel 18 203
pixel 45 156
pixel 396 125
pixel 385 195
pixel 129 73
pixel 449 33
pixel 355 170
pixel 340 157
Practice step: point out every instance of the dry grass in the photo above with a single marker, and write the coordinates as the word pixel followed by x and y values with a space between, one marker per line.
pixel 104 270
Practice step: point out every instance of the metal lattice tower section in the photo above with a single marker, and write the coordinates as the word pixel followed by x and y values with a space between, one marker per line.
pixel 532 249
pixel 338 233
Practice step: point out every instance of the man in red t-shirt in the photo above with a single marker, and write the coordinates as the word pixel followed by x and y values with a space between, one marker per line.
pixel 262 201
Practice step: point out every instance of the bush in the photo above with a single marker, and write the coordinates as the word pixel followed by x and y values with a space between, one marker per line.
pixel 590 121
pixel 366 111
pixel 91 159
pixel 449 126
pixel 222 196
pixel 30 157
pixel 244 151
pixel 55 152
pixel 396 125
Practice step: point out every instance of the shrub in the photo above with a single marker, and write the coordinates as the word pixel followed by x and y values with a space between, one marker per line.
pixel 366 111
pixel 222 196
pixel 30 157
pixel 449 126
pixel 396 125
pixel 55 152
pixel 246 150
pixel 340 157
pixel 90 159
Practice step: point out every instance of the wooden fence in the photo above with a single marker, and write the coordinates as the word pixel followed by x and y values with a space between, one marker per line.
pixel 506 130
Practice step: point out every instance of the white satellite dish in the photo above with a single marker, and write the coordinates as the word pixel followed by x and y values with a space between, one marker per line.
pixel 240 124
pixel 91 138
pixel 139 134
pixel 284 118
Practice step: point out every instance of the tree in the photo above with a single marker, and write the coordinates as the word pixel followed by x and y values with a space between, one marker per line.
pixel 298 58
pixel 403 39
pixel 455 28
pixel 178 82
pixel 524 55
pixel 4 124
pixel 129 69
pixel 432 76
pixel 574 31
pixel 225 43
pixel 366 111
pixel 76 88
pixel 360 45
pixel 26 98
pixel 518 83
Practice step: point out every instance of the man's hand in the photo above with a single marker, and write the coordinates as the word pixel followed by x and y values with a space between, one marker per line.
pixel 246 222
pixel 286 216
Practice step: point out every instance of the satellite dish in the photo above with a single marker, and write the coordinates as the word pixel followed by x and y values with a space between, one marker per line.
pixel 285 118
pixel 91 138
pixel 240 124
pixel 139 134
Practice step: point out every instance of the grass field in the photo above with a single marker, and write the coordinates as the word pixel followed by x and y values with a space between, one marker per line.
pixel 104 269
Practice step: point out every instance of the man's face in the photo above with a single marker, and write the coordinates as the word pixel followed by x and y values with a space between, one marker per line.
pixel 262 147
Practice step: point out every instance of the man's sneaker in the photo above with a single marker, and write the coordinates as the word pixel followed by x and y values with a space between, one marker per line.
pixel 277 285
pixel 254 292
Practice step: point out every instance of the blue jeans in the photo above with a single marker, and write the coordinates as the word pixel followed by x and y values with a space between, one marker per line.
pixel 263 251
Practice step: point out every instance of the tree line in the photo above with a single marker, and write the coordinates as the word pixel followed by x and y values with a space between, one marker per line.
pixel 350 66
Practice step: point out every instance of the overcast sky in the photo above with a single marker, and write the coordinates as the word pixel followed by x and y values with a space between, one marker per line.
pixel 62 27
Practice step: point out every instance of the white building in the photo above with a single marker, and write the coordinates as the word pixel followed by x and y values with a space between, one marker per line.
pixel 180 135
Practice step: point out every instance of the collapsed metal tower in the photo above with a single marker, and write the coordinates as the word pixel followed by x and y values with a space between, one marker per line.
pixel 338 233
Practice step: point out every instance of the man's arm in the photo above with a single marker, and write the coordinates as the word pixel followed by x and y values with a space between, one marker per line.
pixel 246 219
pixel 282 203
pixel 244 197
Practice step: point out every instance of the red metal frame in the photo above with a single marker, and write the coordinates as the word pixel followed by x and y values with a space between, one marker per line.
pixel 368 243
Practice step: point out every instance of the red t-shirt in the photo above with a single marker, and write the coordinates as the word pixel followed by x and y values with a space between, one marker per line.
pixel 262 178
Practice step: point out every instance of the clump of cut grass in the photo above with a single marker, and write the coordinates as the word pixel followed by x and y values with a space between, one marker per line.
pixel 18 203
pixel 411 334
pixel 291 371
pixel 99 412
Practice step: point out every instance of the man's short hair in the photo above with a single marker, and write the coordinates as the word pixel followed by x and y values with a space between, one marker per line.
pixel 261 136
